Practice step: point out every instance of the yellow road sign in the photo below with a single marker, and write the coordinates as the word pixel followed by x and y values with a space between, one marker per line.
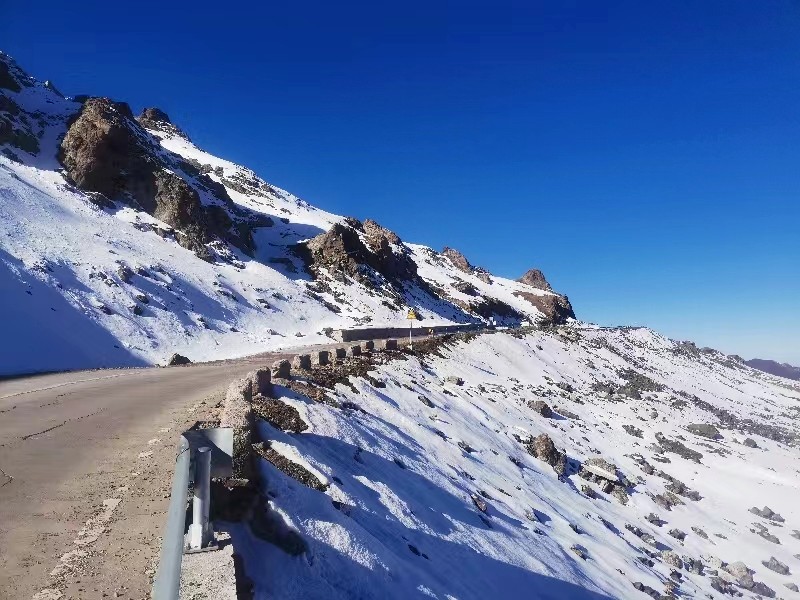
pixel 412 314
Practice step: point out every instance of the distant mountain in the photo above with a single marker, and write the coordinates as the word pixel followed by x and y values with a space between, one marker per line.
pixel 775 368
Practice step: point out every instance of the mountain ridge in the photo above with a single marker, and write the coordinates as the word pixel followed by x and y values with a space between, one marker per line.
pixel 172 249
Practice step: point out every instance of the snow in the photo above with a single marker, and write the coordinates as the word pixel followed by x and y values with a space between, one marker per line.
pixel 60 253
pixel 400 484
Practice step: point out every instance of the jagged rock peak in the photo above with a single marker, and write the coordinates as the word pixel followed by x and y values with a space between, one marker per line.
pixel 535 278
pixel 341 251
pixel 105 150
pixel 153 115
pixel 459 261
pixel 374 230
pixel 155 119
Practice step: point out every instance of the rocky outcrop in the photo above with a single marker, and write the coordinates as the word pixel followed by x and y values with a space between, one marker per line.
pixel 347 247
pixel 535 279
pixel 704 430
pixel 555 308
pixel 108 152
pixel 177 360
pixel 459 261
pixel 156 119
pixel 543 448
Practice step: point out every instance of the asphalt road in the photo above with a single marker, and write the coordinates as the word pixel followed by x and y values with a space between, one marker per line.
pixel 86 462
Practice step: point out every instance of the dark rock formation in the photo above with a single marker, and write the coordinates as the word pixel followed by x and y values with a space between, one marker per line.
pixel 704 430
pixel 555 308
pixel 343 253
pixel 543 448
pixel 108 152
pixel 773 564
pixel 279 414
pixel 535 279
pixel 767 513
pixel 541 407
pixel 678 448
pixel 459 261
pixel 178 359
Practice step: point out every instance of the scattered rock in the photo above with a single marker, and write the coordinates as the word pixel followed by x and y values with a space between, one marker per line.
pixel 579 551
pixel 704 430
pixel 178 359
pixel 672 559
pixel 543 448
pixel 634 431
pixel 791 586
pixel 602 468
pixel 647 590
pixel 768 513
pixel 620 494
pixel 455 380
pixel 678 448
pixel 541 407
pixel 750 443
pixel 677 534
pixel 588 491
pixel 426 401
pixel 654 519
pixel 775 565
pixel 279 414
pixel 480 503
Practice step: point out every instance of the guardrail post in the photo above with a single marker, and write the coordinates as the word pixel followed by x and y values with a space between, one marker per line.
pixel 200 529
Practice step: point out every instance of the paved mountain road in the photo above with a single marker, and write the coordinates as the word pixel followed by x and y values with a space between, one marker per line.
pixel 96 447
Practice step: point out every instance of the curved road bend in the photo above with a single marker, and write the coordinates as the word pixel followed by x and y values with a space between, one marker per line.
pixel 97 447
pixel 69 442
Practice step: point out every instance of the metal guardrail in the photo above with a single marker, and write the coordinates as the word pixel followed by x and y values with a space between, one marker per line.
pixel 168 578
pixel 218 442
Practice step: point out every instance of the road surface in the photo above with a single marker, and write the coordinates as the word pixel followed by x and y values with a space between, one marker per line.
pixel 95 446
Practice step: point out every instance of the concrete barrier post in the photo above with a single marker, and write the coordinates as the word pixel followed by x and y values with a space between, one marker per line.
pixel 200 529
pixel 369 346
pixel 390 344
pixel 354 350
pixel 323 357
pixel 302 361
pixel 340 352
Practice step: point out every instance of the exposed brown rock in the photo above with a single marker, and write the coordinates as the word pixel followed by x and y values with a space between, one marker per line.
pixel 535 279
pixel 108 152
pixel 543 448
pixel 343 253
pixel 555 308
pixel 459 261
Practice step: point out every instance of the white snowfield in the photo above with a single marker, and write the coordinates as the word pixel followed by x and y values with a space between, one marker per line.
pixel 398 519
pixel 64 303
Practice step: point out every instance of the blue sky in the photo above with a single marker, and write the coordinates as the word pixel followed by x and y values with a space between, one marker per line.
pixel 645 155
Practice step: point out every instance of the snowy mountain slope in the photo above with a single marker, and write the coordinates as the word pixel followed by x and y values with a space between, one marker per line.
pixel 407 450
pixel 145 245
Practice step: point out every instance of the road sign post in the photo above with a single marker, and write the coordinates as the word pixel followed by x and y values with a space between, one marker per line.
pixel 412 316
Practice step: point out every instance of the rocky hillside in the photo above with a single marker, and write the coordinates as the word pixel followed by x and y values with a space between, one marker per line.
pixel 775 368
pixel 573 462
pixel 117 229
